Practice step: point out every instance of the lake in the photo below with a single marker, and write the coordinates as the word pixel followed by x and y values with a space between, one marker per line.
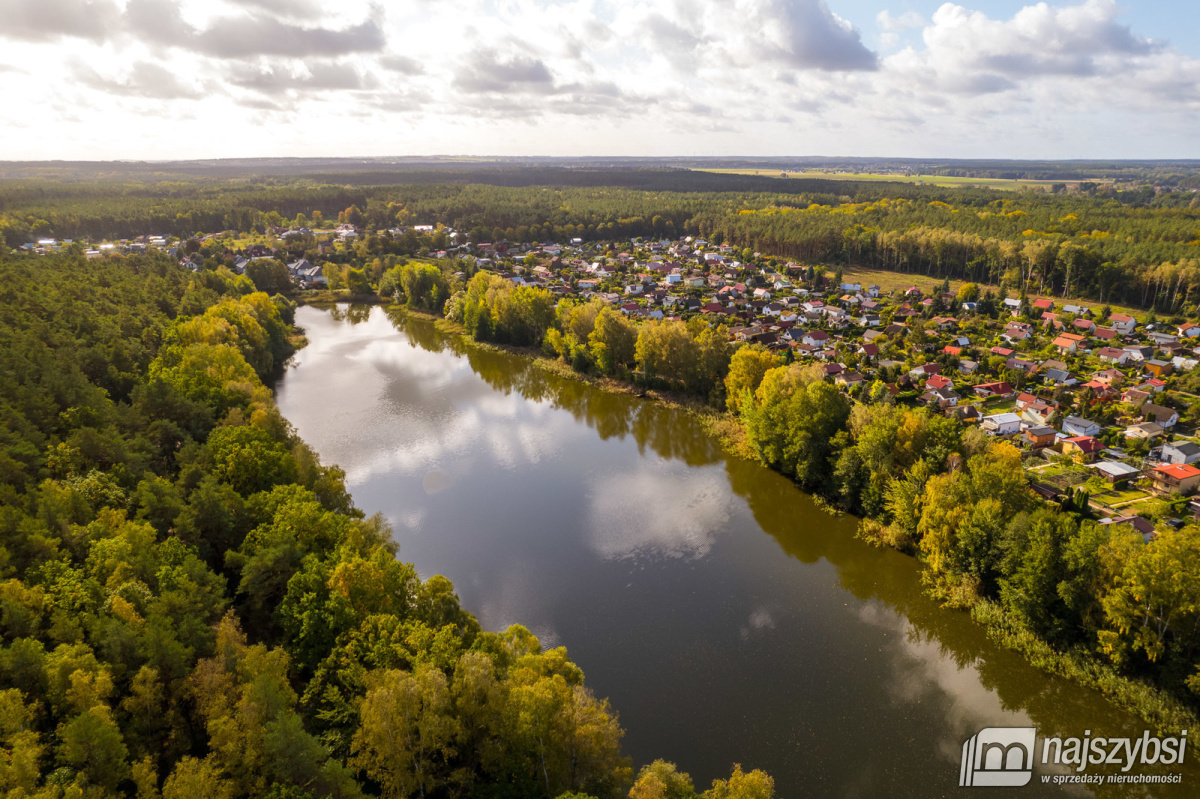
pixel 726 617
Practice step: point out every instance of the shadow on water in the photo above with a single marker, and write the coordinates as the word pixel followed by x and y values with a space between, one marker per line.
pixel 941 654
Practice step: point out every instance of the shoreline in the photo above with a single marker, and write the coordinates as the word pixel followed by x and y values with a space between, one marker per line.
pixel 1160 709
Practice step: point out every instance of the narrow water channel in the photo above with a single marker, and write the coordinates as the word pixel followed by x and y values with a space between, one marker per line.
pixel 725 616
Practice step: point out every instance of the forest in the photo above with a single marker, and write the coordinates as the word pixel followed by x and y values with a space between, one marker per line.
pixel 1134 245
pixel 191 604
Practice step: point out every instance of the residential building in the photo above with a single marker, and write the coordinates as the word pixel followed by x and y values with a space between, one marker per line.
pixel 1186 452
pixel 1157 413
pixel 1001 424
pixel 1117 473
pixel 1078 426
pixel 1039 435
pixel 1083 448
pixel 1175 478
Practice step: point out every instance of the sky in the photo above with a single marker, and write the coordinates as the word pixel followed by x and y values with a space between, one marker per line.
pixel 167 79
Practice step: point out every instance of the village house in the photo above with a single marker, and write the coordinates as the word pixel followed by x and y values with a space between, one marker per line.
pixel 1039 436
pixel 1101 391
pixel 1068 343
pixel 1059 377
pixel 924 370
pixel 1135 396
pixel 815 338
pixel 1162 340
pixel 939 381
pixel 1184 364
pixel 1114 355
pixel 1117 473
pixel 1140 524
pixel 1002 390
pixel 1186 452
pixel 967 414
pixel 1028 367
pixel 943 397
pixel 1122 324
pixel 1147 431
pixel 1082 448
pixel 1078 426
pixel 1038 413
pixel 1159 368
pixel 1157 413
pixel 1001 424
pixel 848 379
pixel 1175 478
pixel 1016 331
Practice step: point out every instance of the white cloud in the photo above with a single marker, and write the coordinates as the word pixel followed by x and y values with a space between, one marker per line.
pixel 610 76
pixel 48 20
pixel 142 79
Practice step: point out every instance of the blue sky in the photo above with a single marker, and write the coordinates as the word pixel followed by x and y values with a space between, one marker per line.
pixel 153 79
pixel 1176 21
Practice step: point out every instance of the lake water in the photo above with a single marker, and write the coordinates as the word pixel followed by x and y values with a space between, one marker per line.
pixel 726 617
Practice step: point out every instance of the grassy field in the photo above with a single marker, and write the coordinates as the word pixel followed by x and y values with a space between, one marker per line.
pixel 899 281
pixel 1114 498
pixel 930 180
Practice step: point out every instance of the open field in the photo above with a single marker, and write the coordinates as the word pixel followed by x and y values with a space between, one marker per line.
pixel 930 180
pixel 890 281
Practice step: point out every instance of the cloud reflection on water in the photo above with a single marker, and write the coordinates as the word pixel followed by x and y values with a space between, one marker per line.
pixel 922 670
pixel 475 422
pixel 662 509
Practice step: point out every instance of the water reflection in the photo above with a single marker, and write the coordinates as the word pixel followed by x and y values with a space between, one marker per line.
pixel 619 528
pixel 656 510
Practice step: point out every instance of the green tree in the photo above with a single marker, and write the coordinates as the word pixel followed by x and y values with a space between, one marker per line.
pixel 747 366
pixel 1155 601
pixel 406 738
pixel 754 784
pixel 662 780
pixel 613 341
pixel 269 275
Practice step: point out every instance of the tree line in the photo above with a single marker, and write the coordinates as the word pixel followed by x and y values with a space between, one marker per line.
pixel 1133 247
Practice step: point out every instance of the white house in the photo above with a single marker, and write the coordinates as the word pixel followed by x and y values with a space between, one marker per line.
pixel 1074 426
pixel 1001 424
pixel 815 338
pixel 1181 452
pixel 1163 416
pixel 1122 323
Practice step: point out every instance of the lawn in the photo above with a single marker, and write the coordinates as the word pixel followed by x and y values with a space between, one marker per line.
pixel 1114 498
pixel 899 281
pixel 1001 406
